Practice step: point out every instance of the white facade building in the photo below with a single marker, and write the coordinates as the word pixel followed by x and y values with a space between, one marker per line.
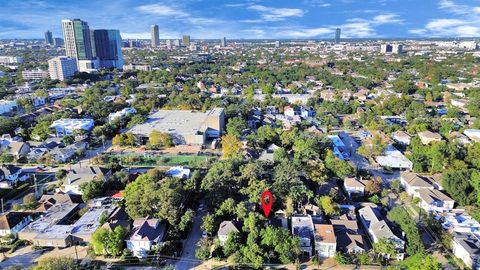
pixel 65 127
pixel 34 74
pixel 62 67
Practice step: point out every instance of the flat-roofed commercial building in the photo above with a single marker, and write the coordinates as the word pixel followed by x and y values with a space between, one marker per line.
pixel 185 126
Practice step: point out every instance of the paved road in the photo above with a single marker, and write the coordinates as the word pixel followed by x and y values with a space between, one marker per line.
pixel 188 260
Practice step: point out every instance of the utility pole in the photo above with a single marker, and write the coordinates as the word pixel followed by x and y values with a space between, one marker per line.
pixel 35 184
pixel 3 211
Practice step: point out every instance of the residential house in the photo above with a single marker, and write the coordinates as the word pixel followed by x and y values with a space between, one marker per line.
pixel 466 247
pixel 145 234
pixel 378 228
pixel 346 95
pixel 393 158
pixel 225 228
pixel 18 149
pixel 268 153
pixel 328 95
pixel 412 182
pixel 13 222
pixel 181 172
pixel 432 199
pixel 349 236
pixel 354 187
pixel 401 137
pixel 49 200
pixel 428 137
pixel 325 241
pixel 473 134
pixel 76 177
pixel 302 227
pixel 10 175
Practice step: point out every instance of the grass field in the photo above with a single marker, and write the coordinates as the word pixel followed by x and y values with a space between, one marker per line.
pixel 163 160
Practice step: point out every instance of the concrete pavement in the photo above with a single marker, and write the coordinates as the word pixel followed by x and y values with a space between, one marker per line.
pixel 188 259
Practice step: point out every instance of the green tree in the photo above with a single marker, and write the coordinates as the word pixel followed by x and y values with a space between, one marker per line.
pixel 235 126
pixel 409 227
pixel 91 189
pixel 56 263
pixel 232 244
pixel 159 139
pixel 385 247
pixel 208 223
pixel 328 206
pixel 29 201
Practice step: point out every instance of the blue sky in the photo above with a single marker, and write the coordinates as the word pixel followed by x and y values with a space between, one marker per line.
pixel 247 18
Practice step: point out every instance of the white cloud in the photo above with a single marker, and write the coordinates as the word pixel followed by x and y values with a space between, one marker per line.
pixel 307 32
pixel 465 24
pixel 271 14
pixel 162 10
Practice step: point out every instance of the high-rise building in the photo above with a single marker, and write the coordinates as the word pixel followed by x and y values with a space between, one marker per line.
pixel 338 33
pixel 391 48
pixel 62 67
pixel 186 40
pixel 155 36
pixel 223 42
pixel 107 47
pixel 277 44
pixel 176 42
pixel 36 74
pixel 397 48
pixel 168 42
pixel 76 34
pixel 58 42
pixel 48 37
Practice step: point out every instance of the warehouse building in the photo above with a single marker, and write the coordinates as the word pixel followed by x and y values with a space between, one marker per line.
pixel 185 126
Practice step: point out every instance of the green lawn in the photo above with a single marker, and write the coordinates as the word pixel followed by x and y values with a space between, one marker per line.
pixel 164 160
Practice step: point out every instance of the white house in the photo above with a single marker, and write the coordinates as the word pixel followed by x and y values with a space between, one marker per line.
pixel 354 187
pixel 65 127
pixel 379 229
pixel 473 134
pixel 466 247
pixel 325 241
pixel 181 172
pixel 432 199
pixel 145 234
pixel 412 182
pixel 302 227
pixel 121 114
pixel 226 227
pixel 401 137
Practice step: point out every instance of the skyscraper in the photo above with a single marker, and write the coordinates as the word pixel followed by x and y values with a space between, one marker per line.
pixel 48 37
pixel 107 47
pixel 155 36
pixel 223 42
pixel 76 34
pixel 338 33
pixel 186 40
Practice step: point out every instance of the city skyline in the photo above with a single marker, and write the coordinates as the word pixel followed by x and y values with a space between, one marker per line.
pixel 251 19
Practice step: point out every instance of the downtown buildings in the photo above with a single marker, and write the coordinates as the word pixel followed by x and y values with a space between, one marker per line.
pixel 48 37
pixel 92 49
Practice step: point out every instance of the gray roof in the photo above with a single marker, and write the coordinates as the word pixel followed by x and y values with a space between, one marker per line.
pixel 415 180
pixel 145 229
pixel 431 196
pixel 468 241
pixel 226 227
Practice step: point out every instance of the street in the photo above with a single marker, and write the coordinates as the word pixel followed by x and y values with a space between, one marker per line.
pixel 188 260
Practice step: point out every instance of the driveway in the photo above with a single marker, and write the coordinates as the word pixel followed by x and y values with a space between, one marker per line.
pixel 188 259
pixel 362 163
pixel 24 257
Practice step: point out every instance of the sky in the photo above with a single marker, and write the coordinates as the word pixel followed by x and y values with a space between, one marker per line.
pixel 233 19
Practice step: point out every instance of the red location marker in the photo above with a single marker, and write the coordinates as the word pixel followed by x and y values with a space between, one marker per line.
pixel 267 206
